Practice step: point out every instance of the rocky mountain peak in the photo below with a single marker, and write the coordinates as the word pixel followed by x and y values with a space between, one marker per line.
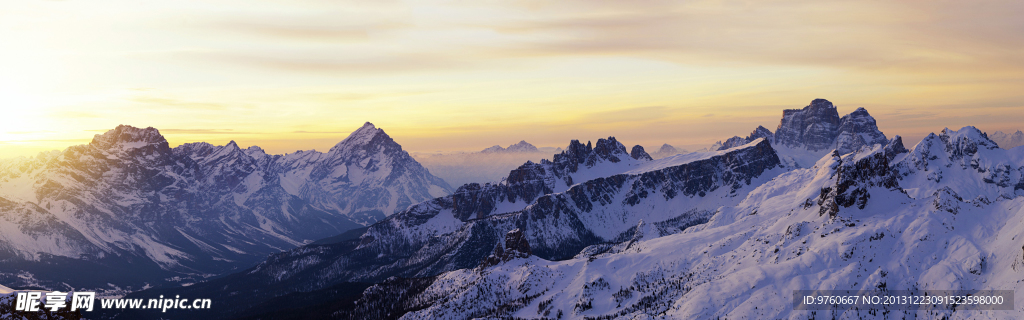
pixel 895 146
pixel 639 153
pixel 736 141
pixel 129 137
pixel 515 246
pixel 608 149
pixel 814 127
pixel 966 141
pixel 521 146
pixel 856 130
pixel 576 152
pixel 254 151
pixel 733 142
pixel 666 148
pixel 821 104
pixel 361 136
pixel 761 132
pixel 366 141
pixel 493 149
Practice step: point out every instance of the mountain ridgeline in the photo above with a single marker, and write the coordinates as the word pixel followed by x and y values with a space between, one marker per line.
pixel 520 147
pixel 599 231
pixel 127 209
pixel 1008 140
pixel 606 233
pixel 587 197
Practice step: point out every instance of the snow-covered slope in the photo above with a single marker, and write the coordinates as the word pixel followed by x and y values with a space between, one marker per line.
pixel 814 127
pixel 447 233
pixel 127 201
pixel 941 216
pixel 729 232
pixel 459 231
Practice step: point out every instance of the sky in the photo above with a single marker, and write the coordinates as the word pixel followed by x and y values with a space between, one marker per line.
pixel 465 75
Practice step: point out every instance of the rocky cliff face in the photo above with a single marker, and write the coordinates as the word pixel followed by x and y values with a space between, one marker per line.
pixel 639 153
pixel 858 130
pixel 814 127
pixel 515 247
pixel 761 132
pixel 818 127
pixel 856 174
pixel 805 135
pixel 735 141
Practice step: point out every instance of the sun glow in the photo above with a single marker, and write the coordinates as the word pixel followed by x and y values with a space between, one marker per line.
pixel 19 115
pixel 451 76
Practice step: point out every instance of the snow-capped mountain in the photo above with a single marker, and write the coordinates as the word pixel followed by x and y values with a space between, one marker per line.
pixel 127 201
pixel 716 234
pixel 489 165
pixel 943 215
pixel 460 216
pixel 638 153
pixel 805 135
pixel 521 146
pixel 940 216
pixel 557 215
pixel 666 150
pixel 1008 140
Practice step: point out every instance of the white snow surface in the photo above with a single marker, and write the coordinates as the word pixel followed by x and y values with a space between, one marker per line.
pixel 117 194
pixel 748 259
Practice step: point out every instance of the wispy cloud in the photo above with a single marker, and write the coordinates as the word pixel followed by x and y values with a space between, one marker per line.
pixel 43 140
pixel 302 28
pixel 865 36
pixel 177 103
pixel 206 131
pixel 335 62
pixel 30 132
pixel 635 114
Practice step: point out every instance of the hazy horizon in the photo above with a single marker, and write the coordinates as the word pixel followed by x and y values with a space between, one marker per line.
pixel 324 144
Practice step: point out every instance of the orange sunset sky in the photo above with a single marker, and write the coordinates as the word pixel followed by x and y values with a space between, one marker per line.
pixel 465 75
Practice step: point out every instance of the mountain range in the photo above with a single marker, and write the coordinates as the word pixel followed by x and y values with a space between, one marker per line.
pixel 1008 140
pixel 825 202
pixel 602 231
pixel 521 146
pixel 127 210
pixel 943 215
